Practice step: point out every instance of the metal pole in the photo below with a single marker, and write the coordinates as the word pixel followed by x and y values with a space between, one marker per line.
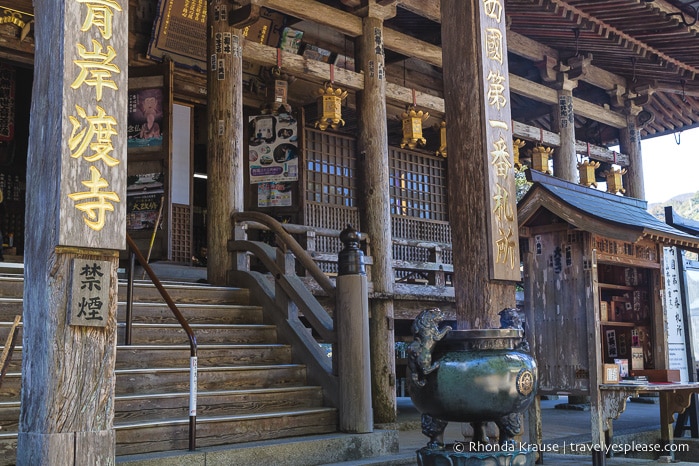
pixel 129 299
pixel 352 326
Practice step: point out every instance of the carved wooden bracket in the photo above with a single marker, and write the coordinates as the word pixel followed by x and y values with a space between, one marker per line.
pixel 614 405
pixel 677 402
pixel 579 66
pixel 246 13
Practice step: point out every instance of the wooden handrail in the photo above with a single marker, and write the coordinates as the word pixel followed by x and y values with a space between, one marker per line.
pixel 290 243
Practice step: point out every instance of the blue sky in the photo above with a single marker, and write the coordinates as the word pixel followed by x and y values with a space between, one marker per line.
pixel 669 168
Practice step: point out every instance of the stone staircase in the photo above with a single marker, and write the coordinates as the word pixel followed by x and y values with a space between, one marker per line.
pixel 248 387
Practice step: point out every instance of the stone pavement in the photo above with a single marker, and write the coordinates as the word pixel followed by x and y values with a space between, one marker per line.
pixel 562 427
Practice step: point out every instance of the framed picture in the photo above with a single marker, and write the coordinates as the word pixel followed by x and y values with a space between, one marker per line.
pixel 610 373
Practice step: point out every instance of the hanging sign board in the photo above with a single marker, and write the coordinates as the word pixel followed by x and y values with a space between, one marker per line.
pixel 674 313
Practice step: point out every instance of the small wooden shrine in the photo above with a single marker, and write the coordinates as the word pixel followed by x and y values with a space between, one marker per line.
pixel 593 276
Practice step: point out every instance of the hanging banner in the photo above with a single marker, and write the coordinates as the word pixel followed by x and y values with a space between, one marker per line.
pixel 273 148
pixel 7 103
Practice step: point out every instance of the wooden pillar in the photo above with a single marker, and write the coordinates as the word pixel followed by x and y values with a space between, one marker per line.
pixel 224 167
pixel 376 217
pixel 565 161
pixel 482 208
pixel 76 214
pixel 630 144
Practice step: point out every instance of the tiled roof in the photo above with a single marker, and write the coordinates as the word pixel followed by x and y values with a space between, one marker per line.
pixel 628 213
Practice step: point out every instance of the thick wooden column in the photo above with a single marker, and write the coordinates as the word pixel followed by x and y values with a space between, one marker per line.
pixel 630 143
pixel 76 221
pixel 376 217
pixel 565 161
pixel 224 166
pixel 482 212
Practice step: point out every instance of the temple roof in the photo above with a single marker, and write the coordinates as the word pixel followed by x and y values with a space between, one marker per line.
pixel 550 200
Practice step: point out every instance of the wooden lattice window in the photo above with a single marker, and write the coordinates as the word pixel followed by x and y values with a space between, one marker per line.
pixel 181 233
pixel 331 187
pixel 418 185
pixel 330 169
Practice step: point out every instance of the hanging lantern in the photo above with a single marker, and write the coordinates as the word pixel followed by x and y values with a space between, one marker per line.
pixel 517 144
pixel 330 107
pixel 412 127
pixel 277 83
pixel 614 181
pixel 586 169
pixel 540 158
pixel 442 128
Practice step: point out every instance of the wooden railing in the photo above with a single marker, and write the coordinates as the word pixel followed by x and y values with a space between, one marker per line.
pixel 427 277
pixel 286 299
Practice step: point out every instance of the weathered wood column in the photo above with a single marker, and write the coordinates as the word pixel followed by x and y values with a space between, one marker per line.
pixel 630 143
pixel 224 166
pixel 376 216
pixel 482 209
pixel 76 220
pixel 565 161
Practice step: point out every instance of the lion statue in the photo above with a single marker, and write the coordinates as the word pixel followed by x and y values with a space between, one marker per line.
pixel 426 334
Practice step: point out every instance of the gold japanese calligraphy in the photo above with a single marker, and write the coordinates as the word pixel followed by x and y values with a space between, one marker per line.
pixel 97 202
pixel 502 232
pixel 93 127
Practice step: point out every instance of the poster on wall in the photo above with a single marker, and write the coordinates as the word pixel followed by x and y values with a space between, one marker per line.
pixel 144 197
pixel 274 194
pixel 674 313
pixel 273 148
pixel 145 118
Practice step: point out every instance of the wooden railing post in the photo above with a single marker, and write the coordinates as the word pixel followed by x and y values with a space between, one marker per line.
pixel 241 261
pixel 286 263
pixel 352 327
pixel 438 277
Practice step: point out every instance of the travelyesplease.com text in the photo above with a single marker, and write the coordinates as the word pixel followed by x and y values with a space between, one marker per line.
pixel 570 448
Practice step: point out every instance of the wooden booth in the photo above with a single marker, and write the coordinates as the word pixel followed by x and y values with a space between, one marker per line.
pixel 593 275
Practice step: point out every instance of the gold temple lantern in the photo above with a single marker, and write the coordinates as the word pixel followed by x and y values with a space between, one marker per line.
pixel 412 127
pixel 330 107
pixel 442 128
pixel 517 144
pixel 614 181
pixel 540 158
pixel 586 170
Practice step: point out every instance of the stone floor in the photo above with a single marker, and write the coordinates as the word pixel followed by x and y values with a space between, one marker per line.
pixel 562 427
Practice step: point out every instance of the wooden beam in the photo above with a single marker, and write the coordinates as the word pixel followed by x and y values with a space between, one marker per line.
pixel 520 45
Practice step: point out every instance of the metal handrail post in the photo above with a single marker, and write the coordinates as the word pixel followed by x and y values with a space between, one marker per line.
pixel 129 299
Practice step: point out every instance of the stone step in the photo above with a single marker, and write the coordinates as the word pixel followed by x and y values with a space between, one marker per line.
pixel 328 448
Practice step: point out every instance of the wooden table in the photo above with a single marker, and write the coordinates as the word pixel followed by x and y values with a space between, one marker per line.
pixel 674 398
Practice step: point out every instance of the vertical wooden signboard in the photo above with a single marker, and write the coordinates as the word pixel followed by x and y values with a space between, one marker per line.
pixel 76 215
pixel 93 168
pixel 502 214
